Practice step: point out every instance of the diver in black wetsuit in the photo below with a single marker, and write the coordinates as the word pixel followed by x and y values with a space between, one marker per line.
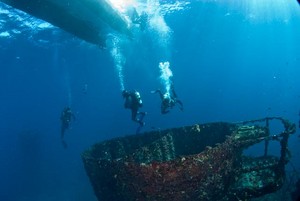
pixel 299 119
pixel 66 118
pixel 168 101
pixel 133 102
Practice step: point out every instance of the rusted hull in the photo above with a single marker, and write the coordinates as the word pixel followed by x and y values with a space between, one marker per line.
pixel 177 165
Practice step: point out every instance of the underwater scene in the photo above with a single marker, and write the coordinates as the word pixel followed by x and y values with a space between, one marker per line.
pixel 149 100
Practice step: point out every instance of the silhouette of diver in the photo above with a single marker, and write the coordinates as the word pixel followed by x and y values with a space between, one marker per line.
pixel 65 118
pixel 299 119
pixel 133 102
pixel 136 18
pixel 168 100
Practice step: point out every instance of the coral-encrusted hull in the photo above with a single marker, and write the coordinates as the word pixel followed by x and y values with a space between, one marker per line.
pixel 200 162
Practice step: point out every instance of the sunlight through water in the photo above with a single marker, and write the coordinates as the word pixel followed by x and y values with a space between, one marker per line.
pixel 264 10
pixel 122 5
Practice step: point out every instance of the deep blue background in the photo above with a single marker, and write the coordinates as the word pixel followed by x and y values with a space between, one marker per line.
pixel 227 66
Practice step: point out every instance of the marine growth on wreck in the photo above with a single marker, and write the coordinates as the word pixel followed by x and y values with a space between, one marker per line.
pixel 198 162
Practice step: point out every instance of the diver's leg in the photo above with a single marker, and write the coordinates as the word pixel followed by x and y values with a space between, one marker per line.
pixel 62 131
pixel 135 118
pixel 174 93
pixel 141 118
pixel 142 113
pixel 62 134
pixel 180 104
pixel 164 109
pixel 134 114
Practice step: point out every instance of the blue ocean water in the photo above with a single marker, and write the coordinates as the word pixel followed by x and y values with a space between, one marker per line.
pixel 231 61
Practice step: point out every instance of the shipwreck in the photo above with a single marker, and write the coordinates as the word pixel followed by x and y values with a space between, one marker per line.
pixel 198 162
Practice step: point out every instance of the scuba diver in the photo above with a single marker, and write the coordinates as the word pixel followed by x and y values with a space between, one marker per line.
pixel 133 102
pixel 66 118
pixel 136 18
pixel 168 101
pixel 299 120
pixel 299 123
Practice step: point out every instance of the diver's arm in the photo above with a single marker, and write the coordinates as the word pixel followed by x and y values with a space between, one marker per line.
pixel 160 93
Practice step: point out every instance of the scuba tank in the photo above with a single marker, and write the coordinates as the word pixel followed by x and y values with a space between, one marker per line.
pixel 138 97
